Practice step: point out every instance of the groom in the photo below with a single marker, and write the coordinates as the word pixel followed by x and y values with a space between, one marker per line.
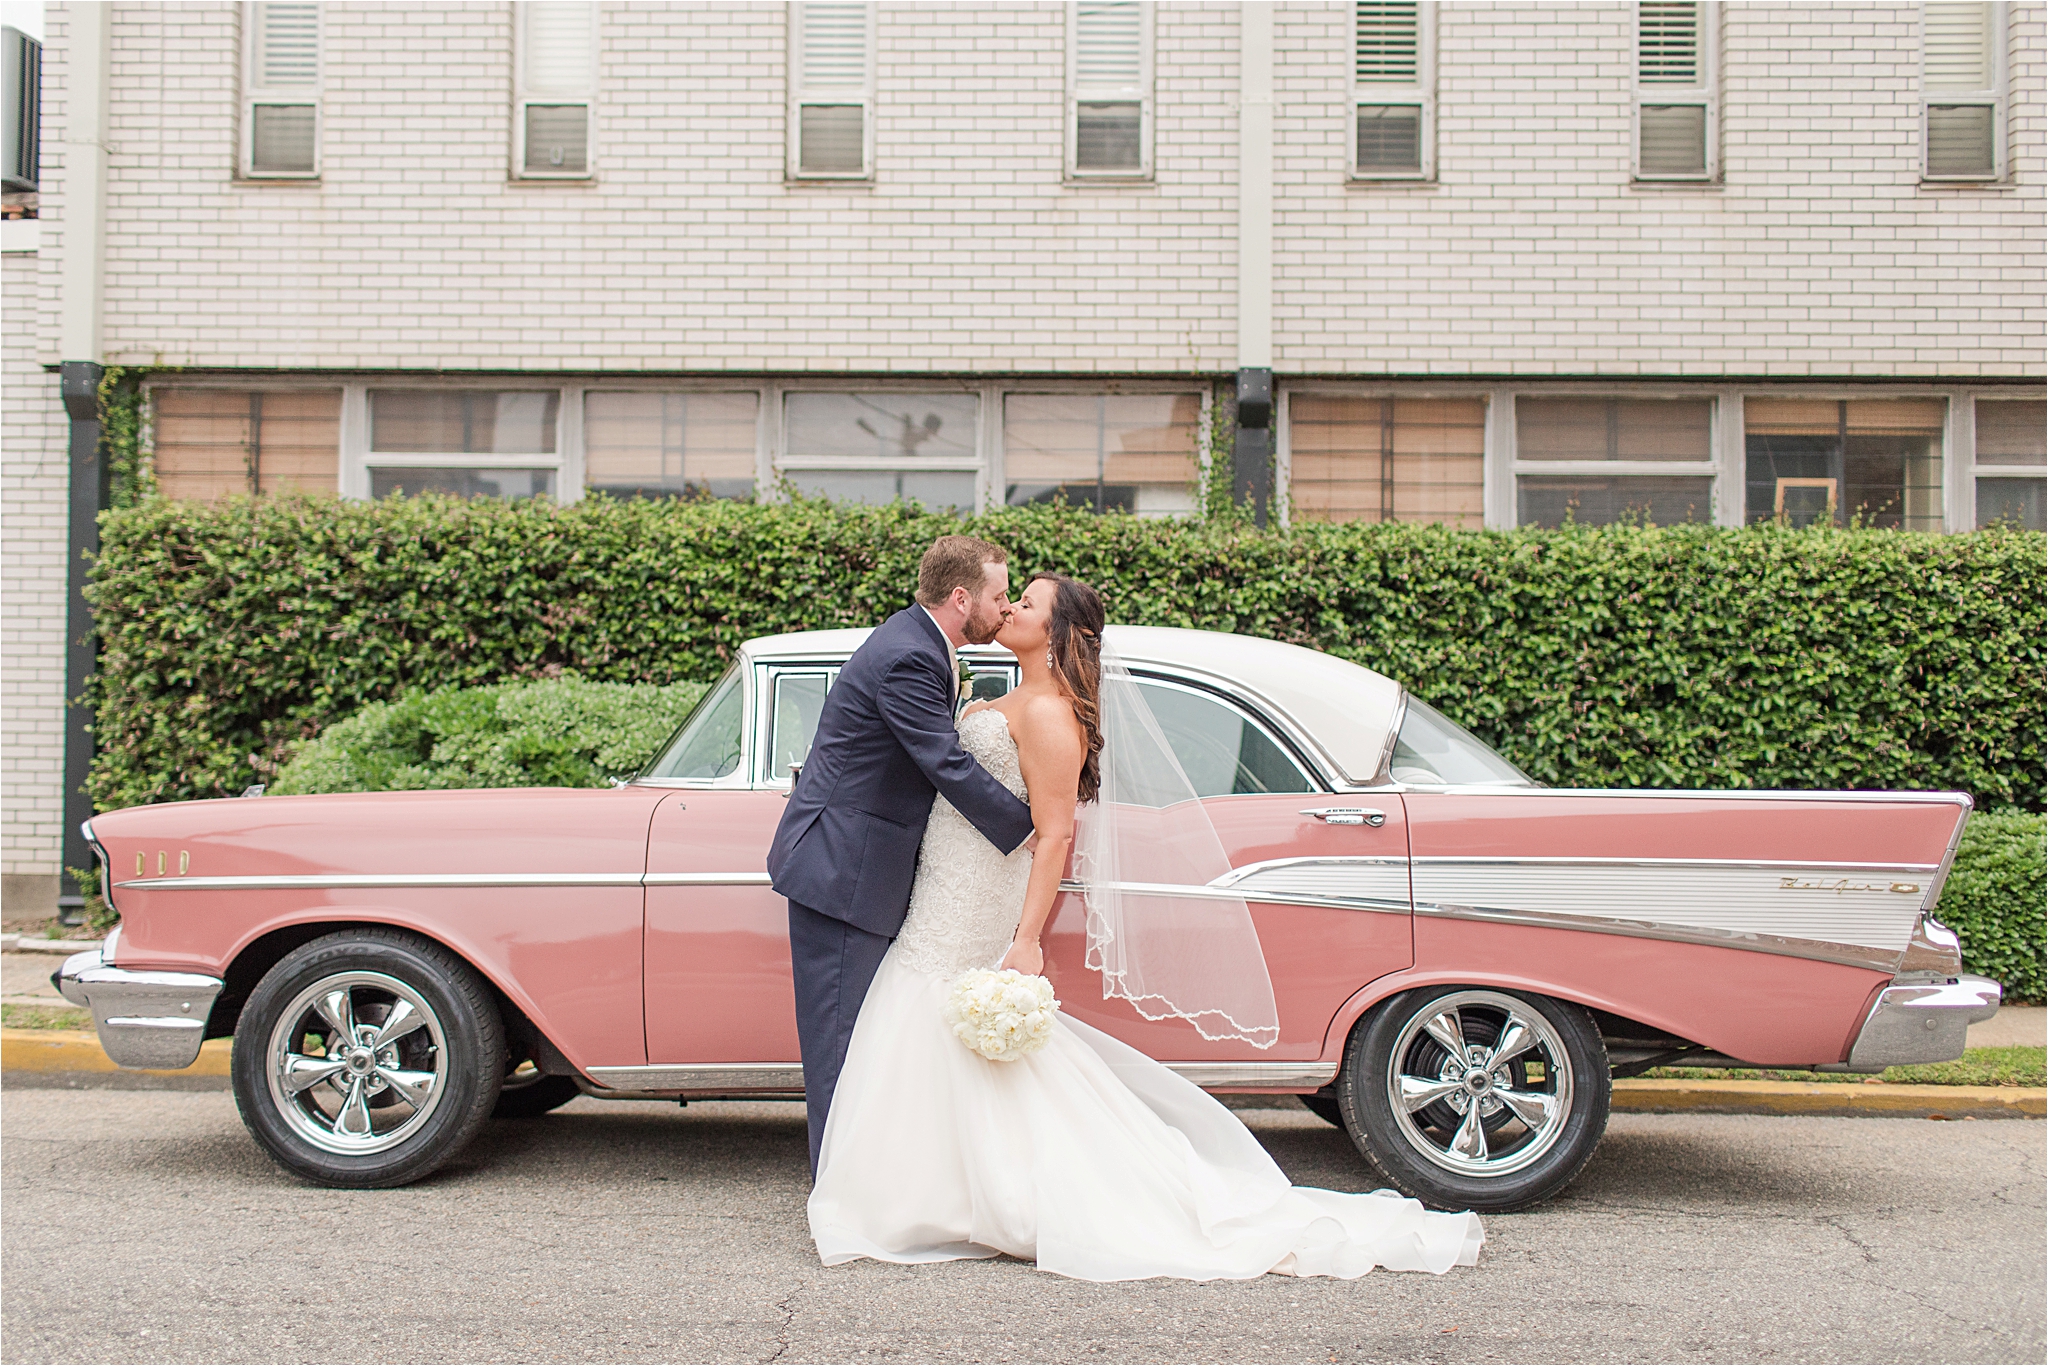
pixel 846 850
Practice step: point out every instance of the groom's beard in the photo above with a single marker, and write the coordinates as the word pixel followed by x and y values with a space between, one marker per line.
pixel 980 630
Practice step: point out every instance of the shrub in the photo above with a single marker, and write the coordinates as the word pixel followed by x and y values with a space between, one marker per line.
pixel 1996 899
pixel 560 732
pixel 1621 656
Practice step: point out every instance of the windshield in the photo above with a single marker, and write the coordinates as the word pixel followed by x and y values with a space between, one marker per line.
pixel 707 745
pixel 1436 751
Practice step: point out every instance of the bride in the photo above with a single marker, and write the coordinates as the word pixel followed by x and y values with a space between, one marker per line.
pixel 1085 1156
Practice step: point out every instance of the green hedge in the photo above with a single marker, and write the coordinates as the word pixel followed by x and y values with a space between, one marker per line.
pixel 1623 656
pixel 1996 899
pixel 562 732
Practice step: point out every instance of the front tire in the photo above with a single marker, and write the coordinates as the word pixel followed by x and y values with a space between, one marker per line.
pixel 367 1058
pixel 1471 1098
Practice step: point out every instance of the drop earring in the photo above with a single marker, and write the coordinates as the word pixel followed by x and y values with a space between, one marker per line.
pixel 1048 657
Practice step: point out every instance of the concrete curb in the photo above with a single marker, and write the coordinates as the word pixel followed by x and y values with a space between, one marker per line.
pixel 1655 1095
pixel 79 1051
pixel 14 943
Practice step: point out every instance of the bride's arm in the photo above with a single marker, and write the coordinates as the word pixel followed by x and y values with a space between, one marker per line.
pixel 1049 751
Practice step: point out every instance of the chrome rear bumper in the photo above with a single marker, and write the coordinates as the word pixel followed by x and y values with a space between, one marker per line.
pixel 1928 1021
pixel 145 1019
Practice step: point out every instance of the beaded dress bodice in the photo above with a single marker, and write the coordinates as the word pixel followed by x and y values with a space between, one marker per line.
pixel 968 894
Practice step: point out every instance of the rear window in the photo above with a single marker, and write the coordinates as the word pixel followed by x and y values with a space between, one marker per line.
pixel 1435 751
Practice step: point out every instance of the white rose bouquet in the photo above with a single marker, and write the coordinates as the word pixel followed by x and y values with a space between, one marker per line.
pixel 1002 1015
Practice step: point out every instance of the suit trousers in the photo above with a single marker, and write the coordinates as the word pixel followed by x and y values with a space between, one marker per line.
pixel 833 964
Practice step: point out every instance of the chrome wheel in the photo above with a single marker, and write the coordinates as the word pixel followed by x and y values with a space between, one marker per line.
pixel 357 1063
pixel 1481 1085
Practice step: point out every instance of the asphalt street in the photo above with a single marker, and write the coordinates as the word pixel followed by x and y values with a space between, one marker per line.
pixel 145 1225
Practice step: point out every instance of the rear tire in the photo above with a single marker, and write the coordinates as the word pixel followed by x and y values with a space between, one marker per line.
pixel 367 1058
pixel 529 1095
pixel 1507 1125
pixel 1324 1108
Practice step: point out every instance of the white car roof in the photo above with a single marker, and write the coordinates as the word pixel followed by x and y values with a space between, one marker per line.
pixel 1347 711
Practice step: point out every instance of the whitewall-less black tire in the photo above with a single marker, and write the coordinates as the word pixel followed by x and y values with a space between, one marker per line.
pixel 1476 1098
pixel 367 1058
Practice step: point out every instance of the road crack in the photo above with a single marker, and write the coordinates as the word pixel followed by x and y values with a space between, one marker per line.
pixel 787 1304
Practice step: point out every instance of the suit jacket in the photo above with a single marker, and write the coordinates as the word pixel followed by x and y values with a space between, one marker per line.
pixel 886 743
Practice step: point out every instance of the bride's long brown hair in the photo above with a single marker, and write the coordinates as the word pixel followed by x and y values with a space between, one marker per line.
pixel 1074 635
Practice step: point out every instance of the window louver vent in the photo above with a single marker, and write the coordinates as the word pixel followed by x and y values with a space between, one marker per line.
pixel 560 42
pixel 287 47
pixel 835 47
pixel 1958 47
pixel 1668 43
pixel 1389 42
pixel 1110 54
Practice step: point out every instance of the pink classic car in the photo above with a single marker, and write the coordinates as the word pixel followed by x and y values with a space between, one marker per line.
pixel 1462 959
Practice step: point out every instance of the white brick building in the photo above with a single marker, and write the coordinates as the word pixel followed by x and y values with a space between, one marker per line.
pixel 1503 261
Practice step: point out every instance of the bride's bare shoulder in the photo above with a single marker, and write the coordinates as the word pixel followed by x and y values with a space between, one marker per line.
pixel 1046 720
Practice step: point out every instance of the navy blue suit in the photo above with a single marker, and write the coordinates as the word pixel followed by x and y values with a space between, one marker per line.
pixel 846 851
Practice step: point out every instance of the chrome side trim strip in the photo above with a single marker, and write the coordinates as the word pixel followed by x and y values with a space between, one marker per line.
pixel 1821 951
pixel 1307 1075
pixel 1396 905
pixel 344 880
pixel 706 880
pixel 789 1076
pixel 1690 794
pixel 691 1076
pixel 1545 860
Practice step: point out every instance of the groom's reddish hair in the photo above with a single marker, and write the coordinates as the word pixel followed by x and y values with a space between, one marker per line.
pixel 956 562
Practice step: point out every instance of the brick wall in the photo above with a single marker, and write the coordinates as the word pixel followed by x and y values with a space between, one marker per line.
pixel 1532 255
pixel 33 508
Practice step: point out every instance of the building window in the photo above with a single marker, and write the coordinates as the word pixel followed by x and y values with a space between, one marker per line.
pixel 1392 125
pixel 1599 460
pixel 1963 90
pixel 2012 463
pixel 281 91
pixel 669 445
pixel 1109 89
pixel 1387 459
pixel 1875 462
pixel 1675 111
pixel 1133 452
pixel 21 72
pixel 208 443
pixel 431 440
pixel 831 91
pixel 880 447
pixel 556 71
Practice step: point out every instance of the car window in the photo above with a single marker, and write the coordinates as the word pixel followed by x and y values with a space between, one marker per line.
pixel 1223 752
pixel 795 701
pixel 708 744
pixel 1434 750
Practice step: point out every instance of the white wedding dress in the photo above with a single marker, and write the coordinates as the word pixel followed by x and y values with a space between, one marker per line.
pixel 1086 1156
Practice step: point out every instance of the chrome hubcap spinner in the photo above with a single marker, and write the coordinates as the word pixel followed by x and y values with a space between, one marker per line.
pixel 357 1062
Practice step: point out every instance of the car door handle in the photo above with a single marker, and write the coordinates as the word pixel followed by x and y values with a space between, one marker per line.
pixel 1346 815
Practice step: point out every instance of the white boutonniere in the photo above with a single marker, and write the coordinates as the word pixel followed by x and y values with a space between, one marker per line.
pixel 966 678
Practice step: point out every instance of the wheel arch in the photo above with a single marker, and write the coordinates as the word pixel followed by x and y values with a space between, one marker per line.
pixel 256 956
pixel 1354 1012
